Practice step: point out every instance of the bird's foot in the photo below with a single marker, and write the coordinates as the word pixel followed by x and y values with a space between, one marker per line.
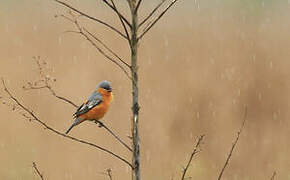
pixel 100 124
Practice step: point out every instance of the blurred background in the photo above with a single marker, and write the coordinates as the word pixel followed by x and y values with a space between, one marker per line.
pixel 199 67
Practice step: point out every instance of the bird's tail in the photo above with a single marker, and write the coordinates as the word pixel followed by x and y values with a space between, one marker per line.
pixel 70 128
pixel 77 121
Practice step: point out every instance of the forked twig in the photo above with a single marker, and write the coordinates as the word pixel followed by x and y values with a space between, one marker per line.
pixel 234 145
pixel 157 19
pixel 152 12
pixel 138 5
pixel 106 47
pixel 195 150
pixel 37 171
pixel 121 17
pixel 81 31
pixel 46 85
pixel 60 133
pixel 90 17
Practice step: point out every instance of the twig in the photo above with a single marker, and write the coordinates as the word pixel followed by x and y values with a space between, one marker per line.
pixel 138 5
pixel 234 145
pixel 60 133
pixel 109 173
pixel 60 97
pixel 106 47
pixel 90 17
pixel 81 32
pixel 152 12
pixel 113 7
pixel 101 124
pixel 46 85
pixel 273 176
pixel 195 150
pixel 121 17
pixel 157 19
pixel 37 171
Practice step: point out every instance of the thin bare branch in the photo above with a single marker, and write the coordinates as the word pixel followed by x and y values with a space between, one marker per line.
pixel 106 47
pixel 234 145
pixel 113 7
pixel 195 150
pixel 122 19
pixel 45 79
pixel 101 124
pixel 138 5
pixel 152 12
pixel 60 97
pixel 104 54
pixel 157 19
pixel 273 176
pixel 83 32
pixel 37 171
pixel 60 133
pixel 54 94
pixel 109 173
pixel 92 18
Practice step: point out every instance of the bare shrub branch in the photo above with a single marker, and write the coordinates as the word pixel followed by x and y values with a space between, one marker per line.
pixel 83 32
pixel 157 19
pixel 138 5
pixel 114 8
pixel 234 145
pixel 109 173
pixel 37 171
pixel 121 17
pixel 106 47
pixel 90 17
pixel 101 124
pixel 45 82
pixel 35 118
pixel 151 13
pixel 195 150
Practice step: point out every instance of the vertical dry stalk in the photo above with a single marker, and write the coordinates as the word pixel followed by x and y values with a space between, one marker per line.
pixel 135 92
pixel 234 144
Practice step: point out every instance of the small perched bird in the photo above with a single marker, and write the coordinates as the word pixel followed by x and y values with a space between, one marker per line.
pixel 96 106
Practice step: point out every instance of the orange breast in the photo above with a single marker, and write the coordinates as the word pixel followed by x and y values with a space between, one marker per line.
pixel 100 110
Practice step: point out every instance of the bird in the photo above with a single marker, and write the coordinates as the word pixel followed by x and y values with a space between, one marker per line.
pixel 96 105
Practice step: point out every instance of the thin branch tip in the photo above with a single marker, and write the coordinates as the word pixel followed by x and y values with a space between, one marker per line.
pixel 234 144
pixel 156 19
pixel 195 151
pixel 37 170
pixel 90 17
pixel 102 125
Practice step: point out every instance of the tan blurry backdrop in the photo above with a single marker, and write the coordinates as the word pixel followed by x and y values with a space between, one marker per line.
pixel 198 68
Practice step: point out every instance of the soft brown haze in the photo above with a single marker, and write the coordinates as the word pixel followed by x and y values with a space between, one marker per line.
pixel 199 67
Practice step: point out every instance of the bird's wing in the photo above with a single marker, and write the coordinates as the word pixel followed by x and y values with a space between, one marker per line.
pixel 93 100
